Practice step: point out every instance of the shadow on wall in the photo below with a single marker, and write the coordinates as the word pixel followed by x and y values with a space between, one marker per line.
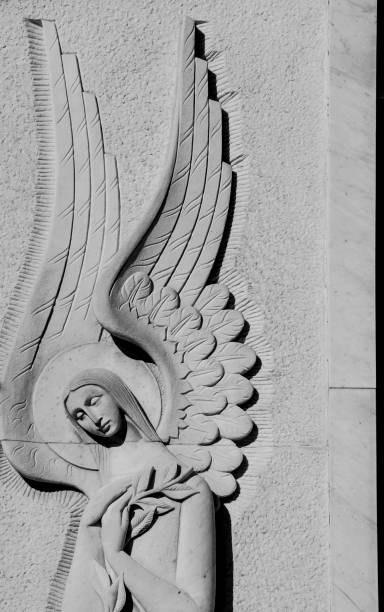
pixel 224 562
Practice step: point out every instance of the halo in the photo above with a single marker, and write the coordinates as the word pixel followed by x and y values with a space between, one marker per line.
pixel 50 417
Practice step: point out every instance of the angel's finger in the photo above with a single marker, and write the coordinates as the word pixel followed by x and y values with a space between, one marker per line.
pixel 125 518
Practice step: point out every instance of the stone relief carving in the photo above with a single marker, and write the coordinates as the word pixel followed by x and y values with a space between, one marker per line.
pixel 125 371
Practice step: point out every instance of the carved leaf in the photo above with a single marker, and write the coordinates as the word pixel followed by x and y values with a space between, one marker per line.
pixel 163 508
pixel 147 507
pixel 226 325
pixel 235 357
pixel 179 494
pixel 179 486
pixel 233 423
pixel 212 299
pixel 143 480
pixel 142 521
pixel 113 595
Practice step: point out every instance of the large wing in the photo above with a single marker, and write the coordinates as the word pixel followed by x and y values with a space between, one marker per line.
pixel 179 238
pixel 157 293
pixel 75 233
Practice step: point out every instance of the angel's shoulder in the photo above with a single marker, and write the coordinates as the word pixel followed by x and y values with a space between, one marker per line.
pixel 200 486
pixel 197 512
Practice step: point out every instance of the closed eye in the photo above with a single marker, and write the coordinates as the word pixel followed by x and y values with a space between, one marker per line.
pixel 94 400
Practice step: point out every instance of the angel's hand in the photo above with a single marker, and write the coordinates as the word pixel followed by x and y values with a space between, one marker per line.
pixel 114 525
pixel 101 501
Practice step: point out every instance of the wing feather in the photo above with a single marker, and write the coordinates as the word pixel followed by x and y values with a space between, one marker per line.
pixel 161 230
pixel 79 234
pixel 39 309
pixel 200 272
pixel 155 295
pixel 72 237
pixel 112 223
pixel 97 215
pixel 167 263
pixel 226 456
pixel 148 290
pixel 180 247
pixel 197 239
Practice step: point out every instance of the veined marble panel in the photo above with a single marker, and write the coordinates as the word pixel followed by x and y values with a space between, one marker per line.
pixel 353 500
pixel 351 193
pixel 351 422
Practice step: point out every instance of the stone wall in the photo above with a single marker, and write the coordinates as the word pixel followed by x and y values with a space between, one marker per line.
pixel 276 57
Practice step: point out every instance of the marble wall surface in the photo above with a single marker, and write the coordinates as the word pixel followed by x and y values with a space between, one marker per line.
pixel 276 556
pixel 351 416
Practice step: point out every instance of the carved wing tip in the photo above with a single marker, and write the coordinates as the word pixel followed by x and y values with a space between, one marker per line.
pixel 27 277
pixel 34 22
pixel 37 28
pixel 39 22
pixel 201 64
pixel 189 21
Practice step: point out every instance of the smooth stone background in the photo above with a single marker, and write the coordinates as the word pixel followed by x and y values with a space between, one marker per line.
pixel 353 500
pixel 352 193
pixel 276 57
pixel 351 416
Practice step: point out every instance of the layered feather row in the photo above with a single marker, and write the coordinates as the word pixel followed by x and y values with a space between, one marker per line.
pixel 211 367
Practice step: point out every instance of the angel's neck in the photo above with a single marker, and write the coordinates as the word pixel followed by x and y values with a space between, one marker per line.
pixel 131 457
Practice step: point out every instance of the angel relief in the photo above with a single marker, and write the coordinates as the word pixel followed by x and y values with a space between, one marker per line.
pixel 123 364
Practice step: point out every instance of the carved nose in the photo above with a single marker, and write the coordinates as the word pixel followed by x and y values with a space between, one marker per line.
pixel 98 422
pixel 95 419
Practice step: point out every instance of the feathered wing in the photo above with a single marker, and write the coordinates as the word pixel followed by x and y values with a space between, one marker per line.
pixel 156 292
pixel 75 234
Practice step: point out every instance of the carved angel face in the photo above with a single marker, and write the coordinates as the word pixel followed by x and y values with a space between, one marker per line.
pixel 95 411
